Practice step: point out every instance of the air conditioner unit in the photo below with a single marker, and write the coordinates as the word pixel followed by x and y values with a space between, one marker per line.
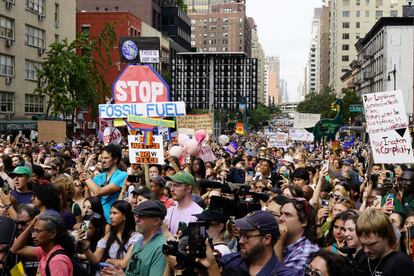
pixel 9 43
pixel 40 17
pixel 8 80
pixel 40 51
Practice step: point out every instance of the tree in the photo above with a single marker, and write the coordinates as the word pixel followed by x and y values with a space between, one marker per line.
pixel 319 103
pixel 70 80
pixel 256 117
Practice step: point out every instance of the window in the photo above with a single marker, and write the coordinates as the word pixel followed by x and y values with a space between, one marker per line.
pixel 345 36
pixel 6 65
pixel 358 25
pixel 35 37
pixel 345 13
pixel 56 12
pixel 85 29
pixel 367 2
pixel 345 47
pixel 393 13
pixel 6 102
pixel 6 27
pixel 358 2
pixel 36 6
pixel 358 13
pixel 379 2
pixel 34 104
pixel 30 68
pixel 345 25
pixel 345 58
pixel 378 14
pixel 346 2
pixel 366 13
pixel 357 36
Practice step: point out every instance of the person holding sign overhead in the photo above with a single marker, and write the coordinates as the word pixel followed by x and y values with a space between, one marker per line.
pixel 107 185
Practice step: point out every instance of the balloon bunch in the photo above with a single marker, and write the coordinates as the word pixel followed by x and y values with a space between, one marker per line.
pixel 188 146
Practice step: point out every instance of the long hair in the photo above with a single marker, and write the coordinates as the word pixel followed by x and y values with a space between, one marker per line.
pixel 336 264
pixel 55 223
pixel 99 224
pixel 96 205
pixel 126 209
pixel 330 239
pixel 202 171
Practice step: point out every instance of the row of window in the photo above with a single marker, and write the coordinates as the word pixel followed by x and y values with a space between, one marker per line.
pixel 346 36
pixel 377 2
pixel 34 37
pixel 32 103
pixel 7 67
pixel 378 14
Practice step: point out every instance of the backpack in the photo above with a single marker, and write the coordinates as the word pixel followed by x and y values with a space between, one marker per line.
pixel 78 270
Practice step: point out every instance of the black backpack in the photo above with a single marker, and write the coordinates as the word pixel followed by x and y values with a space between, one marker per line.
pixel 78 270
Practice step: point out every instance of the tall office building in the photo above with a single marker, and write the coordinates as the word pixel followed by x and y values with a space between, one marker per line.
pixel 224 29
pixel 148 11
pixel 323 45
pixel 258 53
pixel 272 75
pixel 283 91
pixel 27 28
pixel 314 55
pixel 350 21
pixel 204 6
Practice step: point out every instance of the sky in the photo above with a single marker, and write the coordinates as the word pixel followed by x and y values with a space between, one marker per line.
pixel 284 29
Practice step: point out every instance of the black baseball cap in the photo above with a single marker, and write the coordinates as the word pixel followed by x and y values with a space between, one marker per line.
pixel 259 220
pixel 212 215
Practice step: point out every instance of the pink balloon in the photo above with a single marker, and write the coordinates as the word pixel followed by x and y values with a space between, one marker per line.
pixel 176 151
pixel 182 139
pixel 191 146
pixel 200 135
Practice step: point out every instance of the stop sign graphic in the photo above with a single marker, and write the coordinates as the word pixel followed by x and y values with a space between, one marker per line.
pixel 140 84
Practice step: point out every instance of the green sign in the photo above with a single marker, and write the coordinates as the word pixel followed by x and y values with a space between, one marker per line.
pixel 356 108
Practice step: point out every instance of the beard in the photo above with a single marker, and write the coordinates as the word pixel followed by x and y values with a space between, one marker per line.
pixel 254 253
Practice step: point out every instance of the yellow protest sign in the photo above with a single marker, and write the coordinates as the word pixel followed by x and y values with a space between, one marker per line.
pixel 18 270
pixel 119 122
pixel 151 121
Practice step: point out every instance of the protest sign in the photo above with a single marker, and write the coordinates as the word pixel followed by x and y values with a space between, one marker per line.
pixel 112 135
pixel 159 109
pixel 277 140
pixel 304 120
pixel 240 128
pixel 140 153
pixel 151 121
pixel 300 135
pixel 189 124
pixel 387 125
pixel 51 130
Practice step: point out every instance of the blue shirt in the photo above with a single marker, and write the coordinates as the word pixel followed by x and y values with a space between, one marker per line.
pixel 272 267
pixel 117 179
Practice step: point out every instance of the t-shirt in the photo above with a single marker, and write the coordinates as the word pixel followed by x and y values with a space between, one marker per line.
pixel 135 238
pixel 59 265
pixel 22 198
pixel 395 263
pixel 148 259
pixel 117 178
pixel 175 215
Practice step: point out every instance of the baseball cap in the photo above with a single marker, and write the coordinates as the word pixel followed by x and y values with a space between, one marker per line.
pixel 212 215
pixel 258 220
pixel 22 170
pixel 158 179
pixel 151 208
pixel 182 178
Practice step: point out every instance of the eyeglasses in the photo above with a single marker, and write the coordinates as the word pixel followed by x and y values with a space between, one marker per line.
pixel 37 231
pixel 22 223
pixel 310 272
pixel 246 237
pixel 339 198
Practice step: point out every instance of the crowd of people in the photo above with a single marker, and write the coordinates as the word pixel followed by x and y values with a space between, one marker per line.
pixel 81 208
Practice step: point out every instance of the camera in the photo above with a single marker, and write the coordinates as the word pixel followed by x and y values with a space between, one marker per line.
pixel 170 248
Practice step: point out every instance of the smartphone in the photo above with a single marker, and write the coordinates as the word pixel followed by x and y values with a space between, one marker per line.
pixel 197 238
pixel 85 225
pixel 133 178
pixel 324 203
pixel 389 201
pixel 102 265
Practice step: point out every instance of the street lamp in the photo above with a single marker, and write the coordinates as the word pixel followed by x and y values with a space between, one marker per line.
pixel 394 72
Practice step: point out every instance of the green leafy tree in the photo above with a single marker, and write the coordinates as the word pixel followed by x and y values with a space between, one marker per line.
pixel 260 115
pixel 319 103
pixel 71 75
pixel 351 98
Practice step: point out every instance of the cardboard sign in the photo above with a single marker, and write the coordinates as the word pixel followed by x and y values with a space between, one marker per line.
pixel 139 153
pixel 159 109
pixel 387 125
pixel 300 135
pixel 303 120
pixel 151 121
pixel 112 135
pixel 277 140
pixel 51 130
pixel 140 84
pixel 194 123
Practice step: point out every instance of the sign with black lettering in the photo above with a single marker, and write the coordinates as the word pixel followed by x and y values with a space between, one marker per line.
pixel 387 125
pixel 142 153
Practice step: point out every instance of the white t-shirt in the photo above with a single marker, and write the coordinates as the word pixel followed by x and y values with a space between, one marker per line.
pixel 176 215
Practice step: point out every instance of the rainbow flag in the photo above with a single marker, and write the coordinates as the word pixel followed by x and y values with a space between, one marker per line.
pixel 148 138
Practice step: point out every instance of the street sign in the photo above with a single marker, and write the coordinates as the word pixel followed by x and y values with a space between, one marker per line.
pixel 356 108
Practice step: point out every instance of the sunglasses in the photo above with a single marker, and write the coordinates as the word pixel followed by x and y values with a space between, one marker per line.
pixel 339 198
pixel 22 223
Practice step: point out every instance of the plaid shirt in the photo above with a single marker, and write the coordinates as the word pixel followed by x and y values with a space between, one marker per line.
pixel 297 254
